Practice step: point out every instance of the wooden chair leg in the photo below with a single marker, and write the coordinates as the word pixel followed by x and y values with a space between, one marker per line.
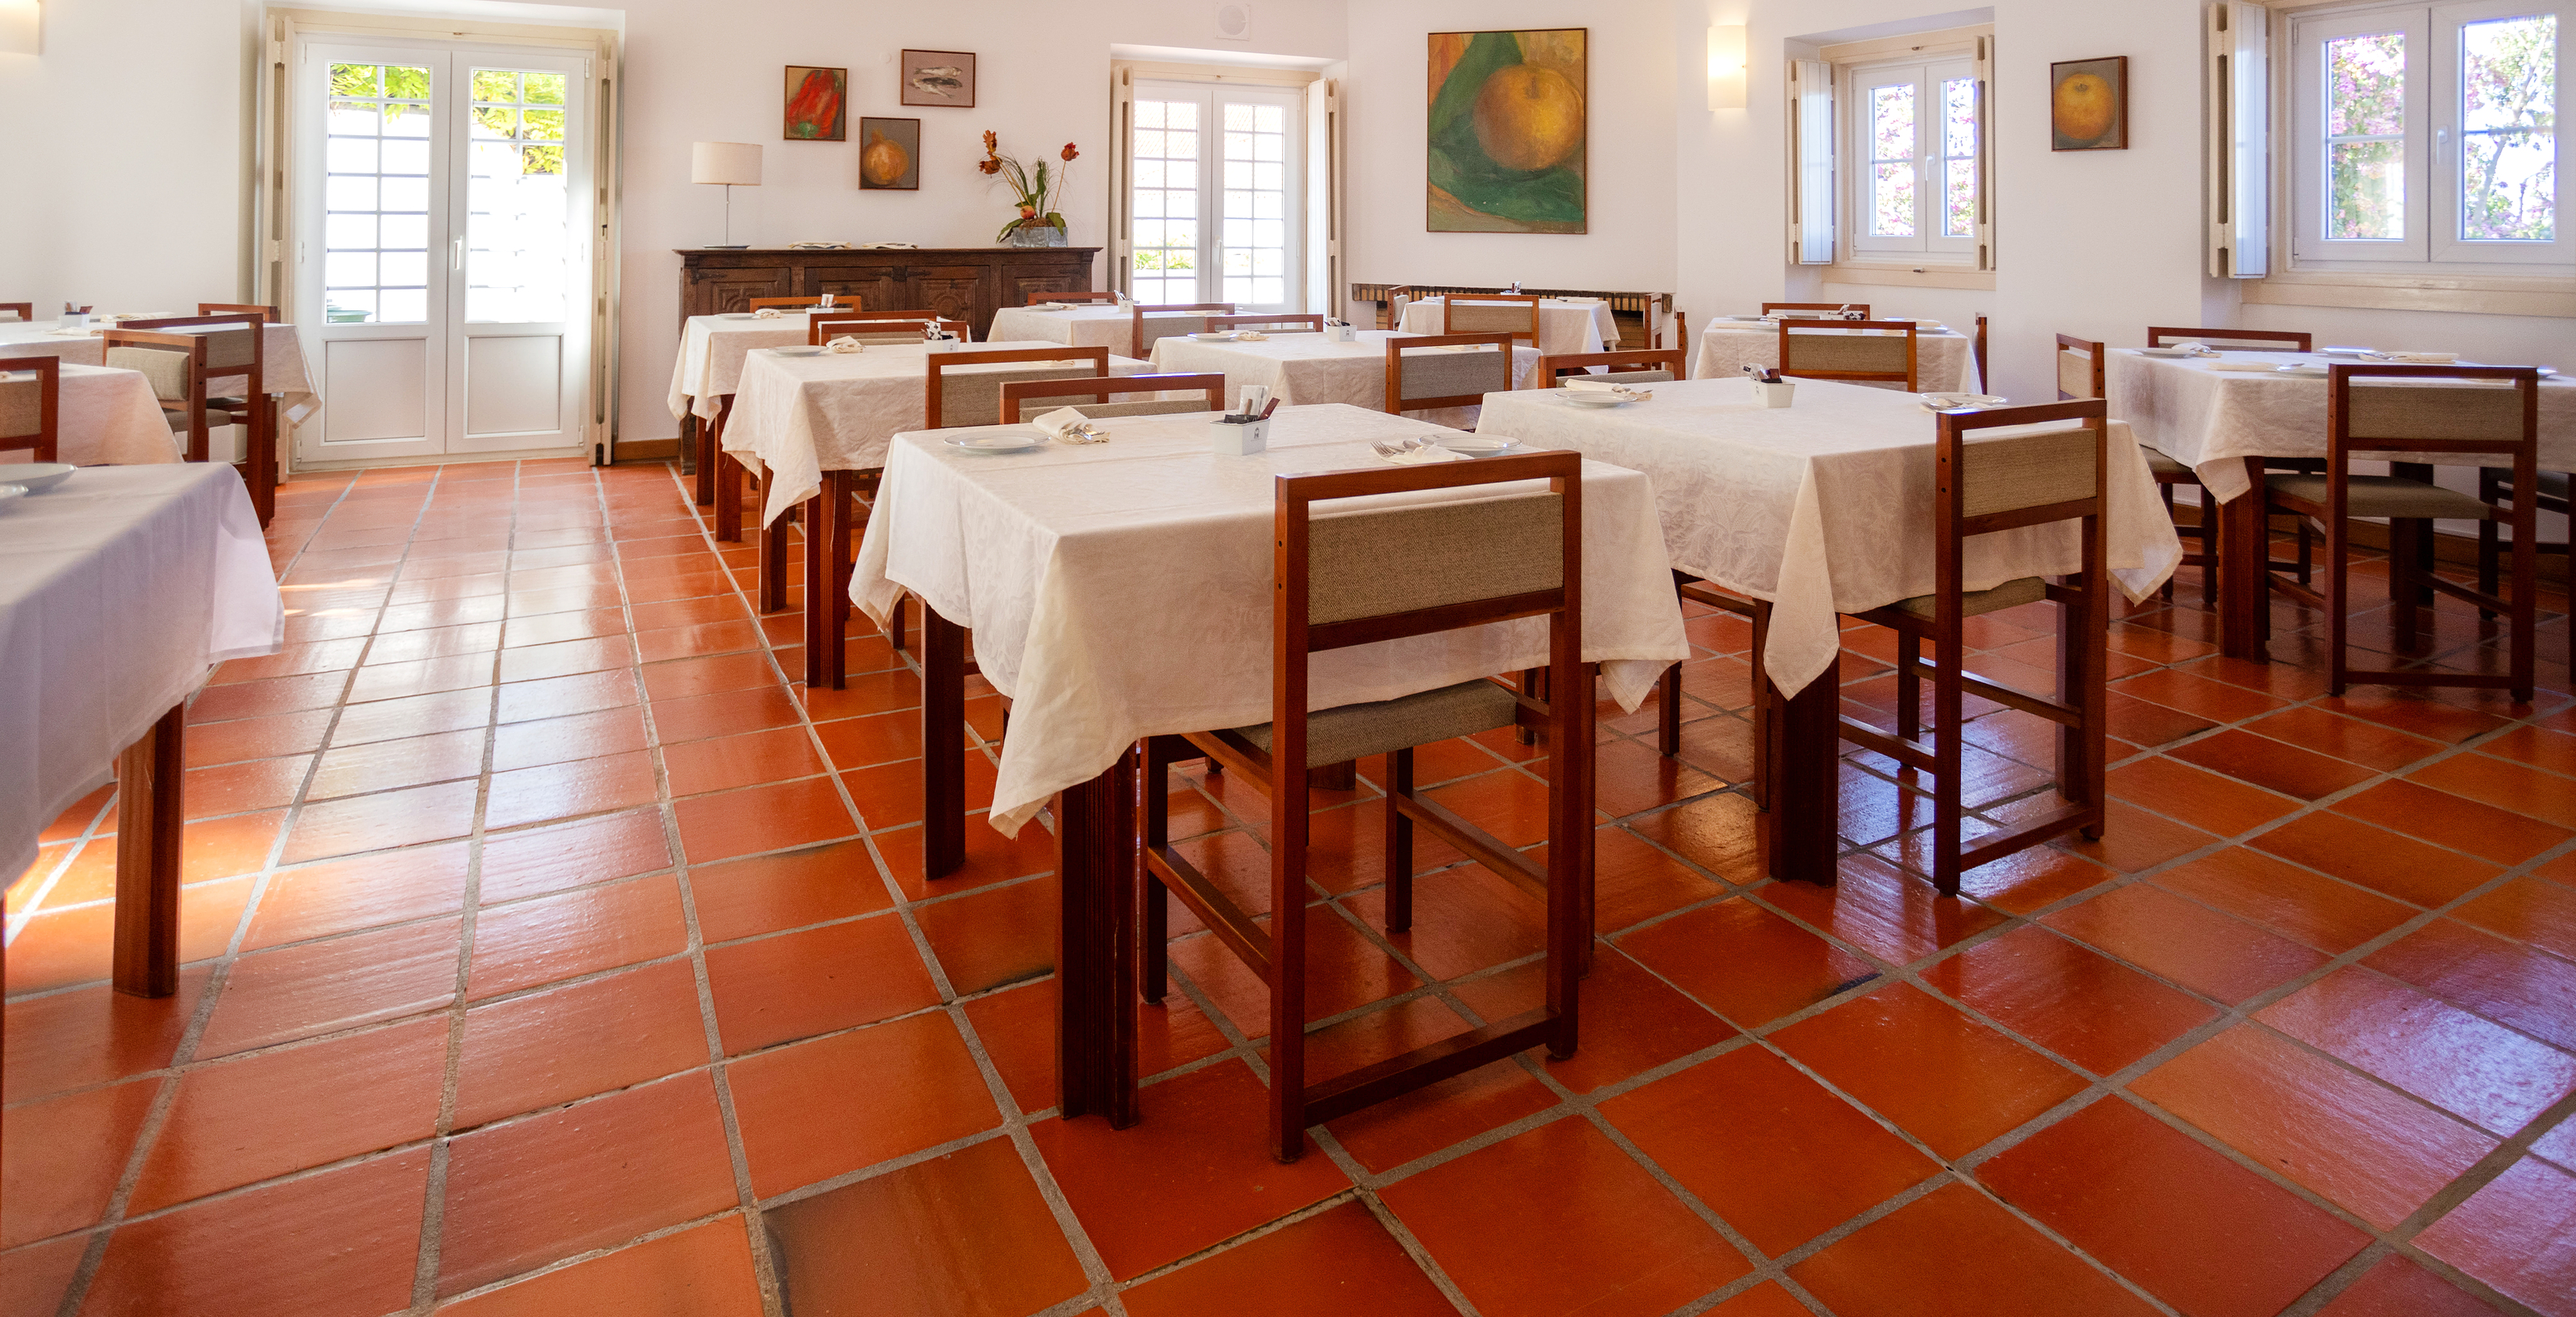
pixel 2487 546
pixel 151 779
pixel 2167 493
pixel 2402 535
pixel 1154 927
pixel 1950 654
pixel 1288 834
pixel 1399 842
pixel 894 621
pixel 1668 712
pixel 1909 687
pixel 1534 684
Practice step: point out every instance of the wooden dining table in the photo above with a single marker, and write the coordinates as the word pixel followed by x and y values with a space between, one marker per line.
pixel 2225 422
pixel 1819 509
pixel 1946 359
pixel 1121 591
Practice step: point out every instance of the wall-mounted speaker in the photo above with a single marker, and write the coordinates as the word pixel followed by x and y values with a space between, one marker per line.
pixel 1234 22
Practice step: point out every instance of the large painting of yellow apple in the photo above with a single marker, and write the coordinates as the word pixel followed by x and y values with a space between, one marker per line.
pixel 2088 105
pixel 1508 117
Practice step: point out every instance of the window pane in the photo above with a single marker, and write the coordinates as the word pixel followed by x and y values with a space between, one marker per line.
pixel 519 229
pixel 374 160
pixel 1959 117
pixel 1891 122
pixel 2365 108
pixel 2366 85
pixel 1891 211
pixel 2508 142
pixel 2366 190
pixel 1959 203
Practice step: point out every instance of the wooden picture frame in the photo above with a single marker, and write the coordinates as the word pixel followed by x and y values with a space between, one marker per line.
pixel 937 77
pixel 2088 104
pixel 817 104
pixel 889 155
pixel 1509 132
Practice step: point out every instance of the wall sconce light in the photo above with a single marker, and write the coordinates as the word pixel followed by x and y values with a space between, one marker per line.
pixel 20 23
pixel 1726 67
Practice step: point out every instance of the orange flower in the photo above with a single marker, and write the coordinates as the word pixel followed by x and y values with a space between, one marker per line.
pixel 990 166
pixel 990 141
pixel 1069 153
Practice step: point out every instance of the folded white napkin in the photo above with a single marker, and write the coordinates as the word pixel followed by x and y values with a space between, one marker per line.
pixel 1581 301
pixel 846 343
pixel 1949 402
pixel 1052 306
pixel 1609 386
pixel 1065 425
pixel 768 313
pixel 1424 456
pixel 2417 358
pixel 2194 348
pixel 1250 336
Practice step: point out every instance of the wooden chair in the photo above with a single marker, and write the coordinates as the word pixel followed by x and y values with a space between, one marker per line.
pixel 237 390
pixel 1978 345
pixel 2232 340
pixel 21 311
pixel 267 314
pixel 1809 310
pixel 1397 298
pixel 1838 350
pixel 2495 488
pixel 1038 297
pixel 1308 324
pixel 1515 314
pixel 1647 367
pixel 879 327
pixel 1417 379
pixel 1681 336
pixel 1168 320
pixel 1091 397
pixel 1981 487
pixel 1509 556
pixel 975 397
pixel 2080 374
pixel 805 303
pixel 2461 417
pixel 31 408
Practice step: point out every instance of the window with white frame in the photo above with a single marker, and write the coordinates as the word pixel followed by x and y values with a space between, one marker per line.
pixel 1891 140
pixel 2426 136
pixel 1215 195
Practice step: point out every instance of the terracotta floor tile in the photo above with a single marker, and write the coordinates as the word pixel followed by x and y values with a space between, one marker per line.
pixel 2198 695
pixel 2399 1288
pixel 2199 948
pixel 561 740
pixel 708 675
pixel 238 788
pixel 65 1155
pixel 33 1279
pixel 559 697
pixel 355 1231
pixel 2517 1234
pixel 994 936
pixel 2413 712
pixel 566 658
pixel 2194 1228
pixel 2319 912
pixel 527 943
pixel 990 857
pixel 583 1038
pixel 420 715
pixel 1339 1260
pixel 2500 980
pixel 2202 799
pixel 763 818
pixel 891 795
pixel 2528 910
pixel 2558 1145
pixel 1744 962
pixel 557 791
pixel 1631 1021
pixel 347 1096
pixel 384 765
pixel 1883 910
pixel 88 1036
pixel 994 1249
pixel 2376 858
pixel 797 985
pixel 813 1110
pixel 1017 1030
pixel 342 896
pixel 2144 722
pixel 394 681
pixel 338 983
pixel 2453 821
pixel 436 642
pixel 1633 881
pixel 1771 1151
pixel 879 739
pixel 1608 1240
pixel 2506 785
pixel 256 699
pixel 72 946
pixel 1954 1251
pixel 745 898
pixel 2538 747
pixel 1344 970
pixel 706 638
pixel 2370 1149
pixel 382 821
pixel 2268 763
pixel 1944 1078
pixel 2134 840
pixel 1389 1134
pixel 568 855
pixel 1195 1170
pixel 2099 1014
pixel 724 762
pixel 1464 919
pixel 524 1193
pixel 2365 743
pixel 2446 1056
pixel 1718 833
pixel 704 1271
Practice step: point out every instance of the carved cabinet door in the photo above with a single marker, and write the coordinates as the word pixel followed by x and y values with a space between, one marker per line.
pixel 714 292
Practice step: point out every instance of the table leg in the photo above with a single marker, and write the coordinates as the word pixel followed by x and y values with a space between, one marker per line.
pixel 262 445
pixel 1805 732
pixel 729 474
pixel 773 549
pixel 818 568
pixel 836 527
pixel 2244 555
pixel 1095 945
pixel 150 777
pixel 943 744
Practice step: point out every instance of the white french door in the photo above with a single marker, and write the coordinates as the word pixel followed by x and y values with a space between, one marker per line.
pixel 1216 199
pixel 442 268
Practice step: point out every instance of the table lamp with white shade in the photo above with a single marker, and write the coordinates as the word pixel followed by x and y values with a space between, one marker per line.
pixel 728 163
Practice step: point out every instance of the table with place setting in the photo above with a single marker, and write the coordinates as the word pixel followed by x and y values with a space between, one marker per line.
pixel 1108 325
pixel 1821 508
pixel 1946 359
pixel 2224 414
pixel 1306 369
pixel 282 367
pixel 108 416
pixel 1122 589
pixel 1566 325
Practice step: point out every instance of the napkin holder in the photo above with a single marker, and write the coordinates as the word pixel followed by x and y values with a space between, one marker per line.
pixel 1340 331
pixel 74 320
pixel 939 341
pixel 1773 393
pixel 1241 436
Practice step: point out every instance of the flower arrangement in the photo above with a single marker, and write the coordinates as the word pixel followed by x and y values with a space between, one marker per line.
pixel 1038 192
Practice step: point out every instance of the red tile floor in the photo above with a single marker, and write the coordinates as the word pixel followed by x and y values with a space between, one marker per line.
pixel 552 951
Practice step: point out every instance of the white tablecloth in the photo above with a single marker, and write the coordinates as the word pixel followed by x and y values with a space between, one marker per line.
pixel 118 588
pixel 1308 369
pixel 1122 590
pixel 1564 328
pixel 1823 507
pixel 711 353
pixel 1088 325
pixel 803 416
pixel 1944 362
pixel 107 416
pixel 2211 420
pixel 282 369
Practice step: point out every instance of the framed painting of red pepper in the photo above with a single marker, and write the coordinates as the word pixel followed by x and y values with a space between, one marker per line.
pixel 818 104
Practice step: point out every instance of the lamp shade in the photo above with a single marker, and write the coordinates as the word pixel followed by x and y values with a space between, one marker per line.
pixel 724 162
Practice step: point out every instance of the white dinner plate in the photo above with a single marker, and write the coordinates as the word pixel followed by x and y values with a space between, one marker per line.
pixel 1217 335
pixel 799 351
pixel 1476 445
pixel 1951 402
pixel 2162 352
pixel 737 315
pixel 10 493
pixel 998 443
pixel 2304 370
pixel 1594 398
pixel 36 477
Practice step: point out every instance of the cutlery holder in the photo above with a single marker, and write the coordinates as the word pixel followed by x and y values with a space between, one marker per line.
pixel 1239 438
pixel 1773 394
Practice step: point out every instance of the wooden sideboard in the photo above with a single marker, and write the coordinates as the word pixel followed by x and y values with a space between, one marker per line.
pixel 961 283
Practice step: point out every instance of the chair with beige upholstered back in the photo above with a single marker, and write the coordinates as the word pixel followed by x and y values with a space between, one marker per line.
pixel 235 387
pixel 1815 310
pixel 2080 374
pixel 1310 323
pixel 2468 412
pixel 1854 351
pixel 2232 340
pixel 1466 561
pixel 1515 314
pixel 31 408
pixel 1028 398
pixel 958 394
pixel 1422 373
pixel 17 311
pixel 266 315
pixel 1152 324
pixel 880 327
pixel 1648 367
pixel 175 366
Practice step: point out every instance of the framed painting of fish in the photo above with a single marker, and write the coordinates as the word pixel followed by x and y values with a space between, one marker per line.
pixel 818 104
pixel 938 77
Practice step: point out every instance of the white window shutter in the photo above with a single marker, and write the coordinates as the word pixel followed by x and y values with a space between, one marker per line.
pixel 1811 131
pixel 2240 129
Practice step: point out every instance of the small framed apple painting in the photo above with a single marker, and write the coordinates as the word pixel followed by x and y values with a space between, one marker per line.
pixel 889 155
pixel 2088 104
